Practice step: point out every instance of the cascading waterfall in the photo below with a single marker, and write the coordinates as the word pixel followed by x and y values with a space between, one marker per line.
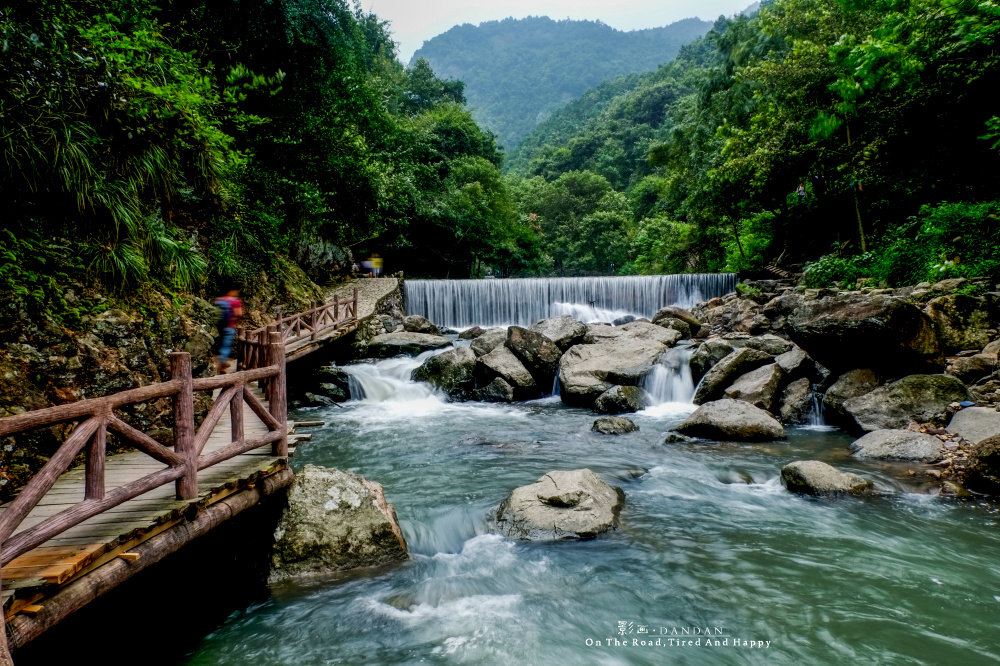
pixel 670 379
pixel 389 380
pixel 815 419
pixel 523 301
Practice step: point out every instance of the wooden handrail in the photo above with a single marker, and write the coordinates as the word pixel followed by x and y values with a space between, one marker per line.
pixel 183 461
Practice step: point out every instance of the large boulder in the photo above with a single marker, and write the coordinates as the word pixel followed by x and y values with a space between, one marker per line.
pixel 614 425
pixel 564 331
pixel 796 363
pixel 619 400
pixel 976 424
pixel 674 312
pixel 330 382
pixel 707 354
pixel 617 356
pixel 917 398
pixel 731 420
pixel 388 345
pixel 538 354
pixel 851 384
pixel 678 325
pixel 488 341
pixel 758 387
pixel 971 369
pixel 728 369
pixel 498 390
pixel 502 363
pixel 796 401
pixel 418 324
pixel 471 333
pixel 982 472
pixel 812 477
pixel 961 321
pixel 898 445
pixel 574 504
pixel 450 371
pixel 768 343
pixel 848 330
pixel 335 521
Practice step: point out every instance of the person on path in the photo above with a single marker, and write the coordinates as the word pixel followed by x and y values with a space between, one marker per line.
pixel 230 312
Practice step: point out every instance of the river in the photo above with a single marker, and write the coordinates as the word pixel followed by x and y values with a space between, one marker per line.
pixel 709 543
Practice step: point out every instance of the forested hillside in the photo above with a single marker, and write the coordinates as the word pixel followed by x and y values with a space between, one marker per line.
pixel 189 146
pixel 517 71
pixel 858 138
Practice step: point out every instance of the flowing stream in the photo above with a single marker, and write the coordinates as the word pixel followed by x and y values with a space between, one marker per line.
pixel 709 541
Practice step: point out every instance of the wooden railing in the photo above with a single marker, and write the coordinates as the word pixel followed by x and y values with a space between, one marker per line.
pixel 183 461
pixel 310 324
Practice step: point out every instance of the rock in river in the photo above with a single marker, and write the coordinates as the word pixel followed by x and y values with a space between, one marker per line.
pixel 619 400
pixel 915 398
pixel 812 477
pixel 573 504
pixel 976 423
pixel 388 345
pixel 538 354
pixel 502 363
pixel 564 331
pixel 335 521
pixel 725 371
pixel 450 371
pixel 898 445
pixel 418 324
pixel 614 425
pixel 732 420
pixel 758 387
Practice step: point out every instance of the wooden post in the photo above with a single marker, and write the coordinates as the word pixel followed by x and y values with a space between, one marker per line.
pixel 5 658
pixel 355 313
pixel 277 396
pixel 180 369
pixel 94 472
pixel 236 415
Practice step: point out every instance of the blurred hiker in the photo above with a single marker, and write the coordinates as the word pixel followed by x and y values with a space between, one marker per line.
pixel 230 312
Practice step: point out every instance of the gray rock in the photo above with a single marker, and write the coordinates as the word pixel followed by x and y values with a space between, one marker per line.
pixel 856 329
pixel 851 384
pixel 767 343
pixel 673 312
pixel 471 333
pixel 796 401
pixel 962 322
pixel 709 353
pixel 332 383
pixel 971 369
pixel 614 425
pixel 619 400
pixel 564 331
pixel 488 341
pixel 728 369
pixel 976 423
pixel 502 363
pixel 758 387
pixel 617 356
pixel 621 321
pixel 538 354
pixel 574 504
pixel 497 390
pixel 983 470
pixel 335 521
pixel 678 325
pixel 388 345
pixel 795 362
pixel 898 445
pixel 418 324
pixel 917 398
pixel 732 420
pixel 812 477
pixel 450 371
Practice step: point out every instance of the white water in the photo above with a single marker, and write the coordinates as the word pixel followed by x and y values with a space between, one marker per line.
pixel 669 387
pixel 523 301
pixel 815 421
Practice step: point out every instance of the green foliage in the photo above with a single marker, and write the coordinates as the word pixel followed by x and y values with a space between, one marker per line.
pixel 518 71
pixel 748 290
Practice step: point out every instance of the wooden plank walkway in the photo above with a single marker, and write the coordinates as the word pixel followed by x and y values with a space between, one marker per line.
pixel 112 533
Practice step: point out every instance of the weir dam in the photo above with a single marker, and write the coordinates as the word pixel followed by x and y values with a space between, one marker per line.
pixel 523 301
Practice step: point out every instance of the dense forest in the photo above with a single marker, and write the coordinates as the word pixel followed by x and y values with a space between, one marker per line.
pixel 190 146
pixel 859 139
pixel 517 71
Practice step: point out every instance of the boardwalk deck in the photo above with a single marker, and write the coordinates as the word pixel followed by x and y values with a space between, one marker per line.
pixel 104 536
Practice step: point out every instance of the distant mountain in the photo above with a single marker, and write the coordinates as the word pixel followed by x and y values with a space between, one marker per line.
pixel 517 71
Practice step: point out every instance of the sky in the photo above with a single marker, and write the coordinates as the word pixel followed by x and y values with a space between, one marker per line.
pixel 415 21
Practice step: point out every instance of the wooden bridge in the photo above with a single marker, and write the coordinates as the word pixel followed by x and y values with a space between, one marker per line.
pixel 72 534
